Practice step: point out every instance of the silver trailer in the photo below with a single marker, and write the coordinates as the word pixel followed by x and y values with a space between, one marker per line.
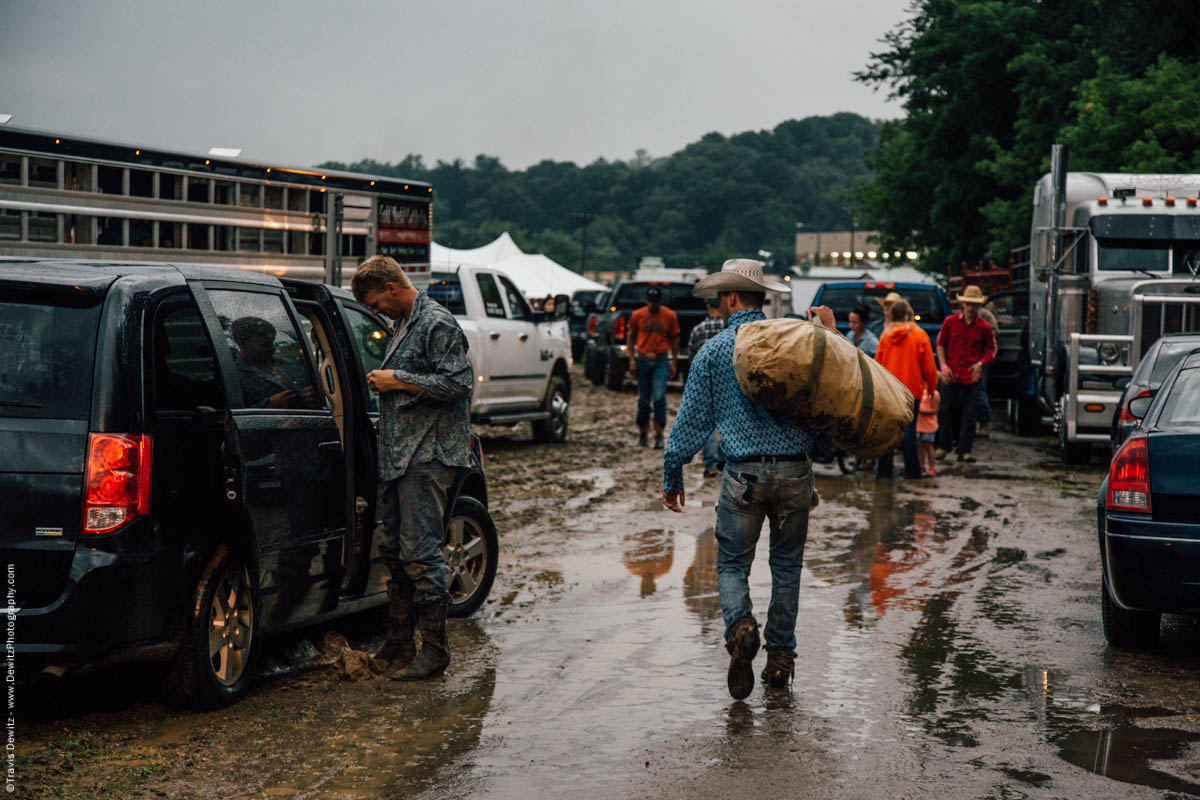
pixel 1113 264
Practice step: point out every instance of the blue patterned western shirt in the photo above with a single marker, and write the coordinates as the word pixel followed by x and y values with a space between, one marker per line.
pixel 712 398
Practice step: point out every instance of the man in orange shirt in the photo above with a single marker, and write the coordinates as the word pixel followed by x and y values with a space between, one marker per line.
pixel 653 332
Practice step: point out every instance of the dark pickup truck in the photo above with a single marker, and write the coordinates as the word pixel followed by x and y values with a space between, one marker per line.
pixel 606 359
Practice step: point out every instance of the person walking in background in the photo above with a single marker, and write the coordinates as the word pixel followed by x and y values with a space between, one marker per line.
pixel 653 333
pixel 927 425
pixel 965 345
pixel 704 331
pixel 983 411
pixel 859 335
pixel 905 352
pixel 880 325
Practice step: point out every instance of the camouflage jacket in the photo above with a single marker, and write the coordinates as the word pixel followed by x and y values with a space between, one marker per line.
pixel 430 350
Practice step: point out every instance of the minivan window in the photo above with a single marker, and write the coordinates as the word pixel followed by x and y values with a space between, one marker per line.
pixel 272 363
pixel 48 353
pixel 371 340
pixel 185 367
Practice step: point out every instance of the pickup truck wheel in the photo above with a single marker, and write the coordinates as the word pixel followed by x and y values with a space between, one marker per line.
pixel 593 366
pixel 220 647
pixel 471 551
pixel 558 407
pixel 614 373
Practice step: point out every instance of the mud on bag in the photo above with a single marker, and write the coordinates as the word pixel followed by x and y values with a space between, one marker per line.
pixel 813 374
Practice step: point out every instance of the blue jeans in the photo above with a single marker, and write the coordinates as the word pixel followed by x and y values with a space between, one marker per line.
pixel 908 446
pixel 712 452
pixel 782 493
pixel 652 374
pixel 983 412
pixel 412 510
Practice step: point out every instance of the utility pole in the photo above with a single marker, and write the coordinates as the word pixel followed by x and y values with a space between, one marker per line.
pixel 584 218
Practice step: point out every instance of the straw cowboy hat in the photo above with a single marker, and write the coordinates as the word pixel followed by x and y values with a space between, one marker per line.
pixel 738 275
pixel 972 294
pixel 892 297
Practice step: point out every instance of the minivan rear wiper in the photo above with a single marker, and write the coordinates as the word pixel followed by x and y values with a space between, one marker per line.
pixel 19 404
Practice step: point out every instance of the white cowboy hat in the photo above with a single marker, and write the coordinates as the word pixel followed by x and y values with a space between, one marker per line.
pixel 738 275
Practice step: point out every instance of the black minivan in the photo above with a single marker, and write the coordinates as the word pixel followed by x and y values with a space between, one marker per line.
pixel 187 465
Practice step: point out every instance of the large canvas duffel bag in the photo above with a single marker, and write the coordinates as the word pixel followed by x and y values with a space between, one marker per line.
pixel 815 375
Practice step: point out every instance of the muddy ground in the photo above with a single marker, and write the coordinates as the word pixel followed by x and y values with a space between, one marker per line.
pixel 950 645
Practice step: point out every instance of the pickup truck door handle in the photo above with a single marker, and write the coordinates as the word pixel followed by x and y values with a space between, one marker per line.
pixel 523 336
pixel 495 336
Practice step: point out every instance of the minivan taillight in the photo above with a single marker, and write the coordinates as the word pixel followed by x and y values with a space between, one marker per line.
pixel 116 485
pixel 1129 477
pixel 619 329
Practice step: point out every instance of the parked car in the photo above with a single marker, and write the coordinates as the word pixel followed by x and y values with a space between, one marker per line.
pixel 1156 364
pixel 606 359
pixel 188 465
pixel 584 303
pixel 928 301
pixel 521 358
pixel 1148 515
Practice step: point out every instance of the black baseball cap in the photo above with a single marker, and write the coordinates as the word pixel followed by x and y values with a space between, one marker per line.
pixel 654 293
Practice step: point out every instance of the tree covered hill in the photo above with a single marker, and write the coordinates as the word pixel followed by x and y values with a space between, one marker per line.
pixel 717 198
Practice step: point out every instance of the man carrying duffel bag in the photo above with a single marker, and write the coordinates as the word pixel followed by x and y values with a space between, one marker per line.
pixel 767 475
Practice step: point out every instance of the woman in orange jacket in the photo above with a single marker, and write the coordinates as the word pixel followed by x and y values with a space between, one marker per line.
pixel 905 351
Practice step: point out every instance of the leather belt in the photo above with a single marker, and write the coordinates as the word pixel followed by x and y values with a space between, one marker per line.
pixel 767 459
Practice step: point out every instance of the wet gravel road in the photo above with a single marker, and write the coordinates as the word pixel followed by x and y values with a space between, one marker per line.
pixel 950 645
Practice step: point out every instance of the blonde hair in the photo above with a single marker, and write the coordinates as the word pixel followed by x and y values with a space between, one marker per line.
pixel 901 312
pixel 375 273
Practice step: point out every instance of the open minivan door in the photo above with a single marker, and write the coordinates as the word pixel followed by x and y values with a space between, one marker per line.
pixel 342 379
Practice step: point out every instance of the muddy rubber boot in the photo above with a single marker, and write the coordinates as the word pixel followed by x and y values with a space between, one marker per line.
pixel 434 655
pixel 779 671
pixel 742 647
pixel 398 648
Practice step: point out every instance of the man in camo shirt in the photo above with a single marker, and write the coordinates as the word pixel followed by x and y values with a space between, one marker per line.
pixel 424 390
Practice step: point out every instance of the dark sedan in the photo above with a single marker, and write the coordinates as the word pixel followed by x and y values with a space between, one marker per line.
pixel 1158 361
pixel 1149 515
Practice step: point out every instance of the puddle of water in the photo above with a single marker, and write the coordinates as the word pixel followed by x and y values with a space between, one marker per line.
pixel 1158 757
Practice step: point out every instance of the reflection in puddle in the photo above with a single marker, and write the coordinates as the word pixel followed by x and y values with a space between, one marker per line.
pixel 700 593
pixel 1158 757
pixel 648 554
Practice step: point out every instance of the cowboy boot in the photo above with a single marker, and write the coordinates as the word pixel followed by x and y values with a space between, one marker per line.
pixel 742 646
pixel 398 648
pixel 434 656
pixel 779 671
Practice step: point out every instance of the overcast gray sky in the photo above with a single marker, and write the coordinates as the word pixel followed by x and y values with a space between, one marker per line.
pixel 301 82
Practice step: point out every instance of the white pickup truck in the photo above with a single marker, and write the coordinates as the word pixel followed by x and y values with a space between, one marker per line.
pixel 521 357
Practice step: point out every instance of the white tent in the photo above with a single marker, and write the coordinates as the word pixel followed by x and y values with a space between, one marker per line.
pixel 533 273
